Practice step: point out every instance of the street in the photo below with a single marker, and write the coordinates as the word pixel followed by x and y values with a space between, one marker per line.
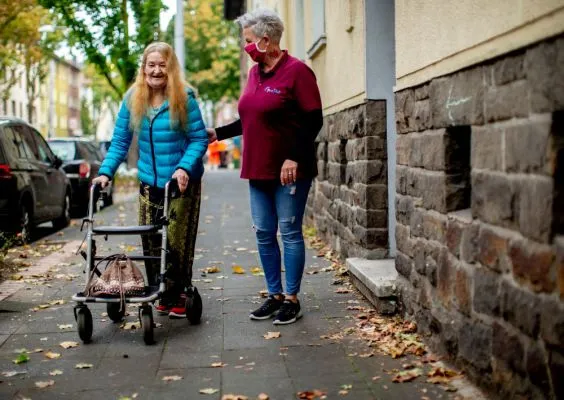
pixel 226 354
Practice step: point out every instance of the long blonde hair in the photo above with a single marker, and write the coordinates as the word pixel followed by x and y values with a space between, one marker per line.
pixel 175 92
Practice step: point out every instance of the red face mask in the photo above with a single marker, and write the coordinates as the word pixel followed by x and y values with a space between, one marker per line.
pixel 256 54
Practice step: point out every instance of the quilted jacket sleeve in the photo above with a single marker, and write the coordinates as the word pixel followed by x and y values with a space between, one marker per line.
pixel 121 140
pixel 197 137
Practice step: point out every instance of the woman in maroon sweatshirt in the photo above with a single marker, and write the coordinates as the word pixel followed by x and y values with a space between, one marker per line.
pixel 280 111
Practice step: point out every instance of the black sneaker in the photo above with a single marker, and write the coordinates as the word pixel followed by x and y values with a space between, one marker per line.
pixel 289 313
pixel 267 310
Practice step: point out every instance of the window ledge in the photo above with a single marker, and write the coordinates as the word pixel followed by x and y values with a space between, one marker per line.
pixel 319 45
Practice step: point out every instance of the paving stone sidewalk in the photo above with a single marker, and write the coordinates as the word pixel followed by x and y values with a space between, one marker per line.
pixel 123 366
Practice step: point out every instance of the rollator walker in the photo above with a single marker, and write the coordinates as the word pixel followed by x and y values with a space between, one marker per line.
pixel 154 292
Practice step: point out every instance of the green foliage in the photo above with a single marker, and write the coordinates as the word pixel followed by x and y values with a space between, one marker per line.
pixel 100 29
pixel 85 119
pixel 212 50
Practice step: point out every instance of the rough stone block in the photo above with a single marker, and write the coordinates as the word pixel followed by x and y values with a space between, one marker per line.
pixel 434 226
pixel 367 172
pixel 439 191
pixel 509 69
pixel 535 206
pixel 371 218
pixel 423 115
pixel 454 231
pixel 458 99
pixel 379 276
pixel 322 170
pixel 486 298
pixel 492 198
pixel 403 149
pixel 487 149
pixel 371 197
pixel 336 173
pixel 462 295
pixel 429 150
pixel 469 244
pixel 401 179
pixel 537 367
pixel 552 322
pixel 559 249
pixel 545 76
pixel 376 121
pixel 354 123
pixel 446 269
pixel 508 101
pixel 418 254
pixel 508 347
pixel 405 105
pixel 520 308
pixel 422 92
pixel 527 145
pixel 404 242
pixel 367 148
pixel 556 367
pixel 321 151
pixel 532 265
pixel 336 152
pixel 404 208
pixel 492 250
pixel 370 238
pixel 404 264
pixel 475 344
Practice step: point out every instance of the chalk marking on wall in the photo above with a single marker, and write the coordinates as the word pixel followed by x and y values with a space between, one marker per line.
pixel 454 103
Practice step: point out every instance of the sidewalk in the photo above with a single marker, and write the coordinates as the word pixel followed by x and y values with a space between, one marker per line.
pixel 323 351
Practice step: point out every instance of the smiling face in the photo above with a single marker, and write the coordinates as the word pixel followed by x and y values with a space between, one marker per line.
pixel 155 70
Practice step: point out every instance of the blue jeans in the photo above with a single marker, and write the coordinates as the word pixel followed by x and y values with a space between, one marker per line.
pixel 274 205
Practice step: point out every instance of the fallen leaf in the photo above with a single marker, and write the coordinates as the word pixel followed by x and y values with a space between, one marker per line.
pixel 241 249
pixel 375 378
pixel 21 359
pixel 171 378
pixel 16 277
pixel 207 280
pixel 407 375
pixel 44 384
pixel 256 270
pixel 342 290
pixel 131 325
pixel 65 326
pixel 343 392
pixel 271 335
pixel 263 293
pixel 311 395
pixel 56 372
pixel 68 345
pixel 9 374
pixel 215 288
pixel 237 269
pixel 83 366
pixel 50 355
pixel 35 351
pixel 44 339
pixel 263 396
pixel 209 391
pixel 57 302
pixel 218 365
pixel 346 387
pixel 211 270
pixel 367 355
pixel 234 397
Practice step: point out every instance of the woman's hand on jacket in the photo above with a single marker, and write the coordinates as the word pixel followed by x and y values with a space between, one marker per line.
pixel 212 135
pixel 289 172
pixel 182 178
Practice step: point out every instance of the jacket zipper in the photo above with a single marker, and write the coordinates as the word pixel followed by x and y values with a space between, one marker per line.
pixel 153 145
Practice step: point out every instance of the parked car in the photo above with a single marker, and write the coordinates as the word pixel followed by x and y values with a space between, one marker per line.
pixel 33 188
pixel 81 161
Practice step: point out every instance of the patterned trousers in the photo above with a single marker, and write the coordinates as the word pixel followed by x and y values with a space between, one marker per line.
pixel 184 213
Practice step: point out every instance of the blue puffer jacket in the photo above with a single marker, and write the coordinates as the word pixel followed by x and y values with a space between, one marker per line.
pixel 162 149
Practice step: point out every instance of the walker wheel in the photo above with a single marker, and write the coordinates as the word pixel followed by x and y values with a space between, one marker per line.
pixel 84 322
pixel 194 306
pixel 114 312
pixel 147 325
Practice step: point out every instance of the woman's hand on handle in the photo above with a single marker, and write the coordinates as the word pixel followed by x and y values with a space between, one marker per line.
pixel 182 178
pixel 101 180
pixel 212 135
pixel 289 172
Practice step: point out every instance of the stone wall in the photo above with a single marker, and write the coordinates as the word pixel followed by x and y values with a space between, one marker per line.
pixel 480 211
pixel 348 201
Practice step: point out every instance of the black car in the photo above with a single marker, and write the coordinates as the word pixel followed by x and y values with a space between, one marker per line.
pixel 81 161
pixel 33 188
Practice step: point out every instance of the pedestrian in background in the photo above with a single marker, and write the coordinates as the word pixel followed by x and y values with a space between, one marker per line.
pixel 162 110
pixel 280 116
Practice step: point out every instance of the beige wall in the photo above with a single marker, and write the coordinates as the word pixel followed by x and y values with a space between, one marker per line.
pixel 340 66
pixel 437 37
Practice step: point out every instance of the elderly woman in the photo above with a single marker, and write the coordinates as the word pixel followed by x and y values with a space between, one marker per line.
pixel 280 111
pixel 162 110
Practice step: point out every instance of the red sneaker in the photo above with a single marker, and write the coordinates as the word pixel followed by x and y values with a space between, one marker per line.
pixel 162 309
pixel 179 310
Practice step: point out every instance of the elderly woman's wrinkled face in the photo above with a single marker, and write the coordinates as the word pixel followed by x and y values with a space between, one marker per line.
pixel 155 70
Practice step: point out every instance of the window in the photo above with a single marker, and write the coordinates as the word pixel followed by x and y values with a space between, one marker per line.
pixel 30 145
pixel 16 145
pixel 318 27
pixel 45 153
pixel 14 110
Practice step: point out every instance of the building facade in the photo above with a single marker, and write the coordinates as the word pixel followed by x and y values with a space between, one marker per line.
pixel 468 200
pixel 14 103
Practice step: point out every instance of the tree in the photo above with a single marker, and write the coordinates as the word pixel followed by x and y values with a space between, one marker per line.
pixel 100 29
pixel 85 119
pixel 212 50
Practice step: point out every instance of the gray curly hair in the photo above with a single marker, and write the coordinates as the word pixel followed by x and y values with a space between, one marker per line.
pixel 263 22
